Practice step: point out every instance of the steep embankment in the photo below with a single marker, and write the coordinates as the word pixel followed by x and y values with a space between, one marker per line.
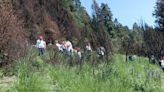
pixel 51 18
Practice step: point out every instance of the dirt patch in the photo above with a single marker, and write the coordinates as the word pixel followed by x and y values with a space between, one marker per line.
pixel 6 81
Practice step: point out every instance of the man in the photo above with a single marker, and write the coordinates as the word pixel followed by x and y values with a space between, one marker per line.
pixel 60 46
pixel 88 47
pixel 101 51
pixel 162 62
pixel 41 45
pixel 69 47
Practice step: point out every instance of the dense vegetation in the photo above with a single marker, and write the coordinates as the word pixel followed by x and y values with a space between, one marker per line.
pixel 34 74
pixel 22 21
pixel 60 19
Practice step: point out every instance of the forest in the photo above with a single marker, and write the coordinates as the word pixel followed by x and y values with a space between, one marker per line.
pixel 22 21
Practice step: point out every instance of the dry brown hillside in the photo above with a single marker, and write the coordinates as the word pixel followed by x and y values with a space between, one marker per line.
pixel 12 37
pixel 46 17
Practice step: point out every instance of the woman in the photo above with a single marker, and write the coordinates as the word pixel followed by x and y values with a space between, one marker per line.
pixel 41 45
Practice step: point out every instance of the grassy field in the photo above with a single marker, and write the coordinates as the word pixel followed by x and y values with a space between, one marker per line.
pixel 36 74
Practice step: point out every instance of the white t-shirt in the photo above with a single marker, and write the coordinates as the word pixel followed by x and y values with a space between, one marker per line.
pixel 60 47
pixel 69 46
pixel 79 54
pixel 40 44
pixel 162 63
pixel 102 53
pixel 88 47
pixel 37 43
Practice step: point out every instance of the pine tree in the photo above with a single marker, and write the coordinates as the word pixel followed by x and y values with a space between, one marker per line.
pixel 106 17
pixel 99 18
pixel 77 4
pixel 159 14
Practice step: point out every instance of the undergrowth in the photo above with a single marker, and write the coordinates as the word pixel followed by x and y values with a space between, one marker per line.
pixel 38 74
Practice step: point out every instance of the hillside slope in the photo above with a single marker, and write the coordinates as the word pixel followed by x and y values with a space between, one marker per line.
pixel 27 19
pixel 51 18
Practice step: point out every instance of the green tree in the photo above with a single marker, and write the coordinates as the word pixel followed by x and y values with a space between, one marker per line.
pixel 137 34
pixel 77 4
pixel 100 17
pixel 106 17
pixel 159 14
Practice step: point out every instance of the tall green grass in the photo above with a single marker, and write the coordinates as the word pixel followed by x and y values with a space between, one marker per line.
pixel 35 74
pixel 117 77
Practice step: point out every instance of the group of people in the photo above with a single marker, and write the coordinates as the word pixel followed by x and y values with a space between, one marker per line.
pixel 159 61
pixel 67 48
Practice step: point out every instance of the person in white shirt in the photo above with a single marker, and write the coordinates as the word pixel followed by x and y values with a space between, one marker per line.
pixel 41 45
pixel 100 51
pixel 162 62
pixel 88 47
pixel 77 55
pixel 68 47
pixel 59 46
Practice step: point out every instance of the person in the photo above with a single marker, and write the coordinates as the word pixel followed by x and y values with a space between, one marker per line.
pixel 132 57
pixel 79 56
pixel 68 46
pixel 41 45
pixel 162 62
pixel 79 53
pixel 152 59
pixel 100 51
pixel 88 47
pixel 59 46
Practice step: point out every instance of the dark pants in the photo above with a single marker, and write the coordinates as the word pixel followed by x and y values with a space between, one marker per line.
pixel 41 51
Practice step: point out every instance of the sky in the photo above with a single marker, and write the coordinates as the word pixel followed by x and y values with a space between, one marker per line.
pixel 128 11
